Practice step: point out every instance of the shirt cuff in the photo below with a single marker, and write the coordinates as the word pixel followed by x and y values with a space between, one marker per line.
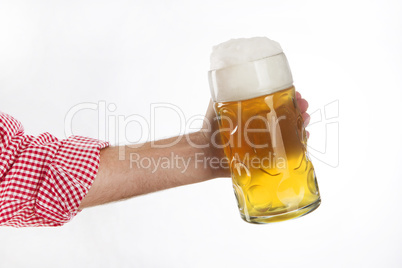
pixel 68 179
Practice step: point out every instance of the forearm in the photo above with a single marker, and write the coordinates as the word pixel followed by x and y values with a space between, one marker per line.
pixel 150 168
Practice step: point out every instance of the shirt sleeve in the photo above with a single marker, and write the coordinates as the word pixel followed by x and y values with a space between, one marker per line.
pixel 43 179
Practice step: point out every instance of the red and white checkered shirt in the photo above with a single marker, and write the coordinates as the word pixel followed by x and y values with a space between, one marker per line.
pixel 43 179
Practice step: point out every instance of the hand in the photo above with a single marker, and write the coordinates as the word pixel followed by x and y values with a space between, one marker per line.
pixel 303 105
pixel 121 179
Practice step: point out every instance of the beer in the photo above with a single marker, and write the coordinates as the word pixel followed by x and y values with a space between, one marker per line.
pixel 264 140
pixel 271 172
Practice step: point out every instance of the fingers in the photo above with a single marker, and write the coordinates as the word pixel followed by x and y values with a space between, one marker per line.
pixel 298 95
pixel 306 119
pixel 303 105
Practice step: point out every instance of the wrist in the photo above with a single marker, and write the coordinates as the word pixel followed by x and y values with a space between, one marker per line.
pixel 216 163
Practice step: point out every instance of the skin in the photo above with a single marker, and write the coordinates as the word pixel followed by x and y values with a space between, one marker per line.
pixel 122 179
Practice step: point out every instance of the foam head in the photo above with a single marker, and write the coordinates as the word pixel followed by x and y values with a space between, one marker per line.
pixel 246 68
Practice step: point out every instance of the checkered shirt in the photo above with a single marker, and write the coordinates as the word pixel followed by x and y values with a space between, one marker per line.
pixel 43 179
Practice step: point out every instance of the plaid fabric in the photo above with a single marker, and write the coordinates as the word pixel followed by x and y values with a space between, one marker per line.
pixel 43 179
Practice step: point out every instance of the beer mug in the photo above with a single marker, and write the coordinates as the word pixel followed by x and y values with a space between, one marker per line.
pixel 264 140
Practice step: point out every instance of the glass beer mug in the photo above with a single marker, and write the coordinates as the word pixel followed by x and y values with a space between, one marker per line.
pixel 264 140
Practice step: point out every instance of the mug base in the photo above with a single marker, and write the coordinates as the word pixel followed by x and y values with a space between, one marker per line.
pixel 283 216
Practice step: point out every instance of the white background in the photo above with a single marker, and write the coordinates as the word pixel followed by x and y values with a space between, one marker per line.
pixel 57 54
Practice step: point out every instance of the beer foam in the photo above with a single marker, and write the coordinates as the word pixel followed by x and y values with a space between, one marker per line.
pixel 236 51
pixel 245 68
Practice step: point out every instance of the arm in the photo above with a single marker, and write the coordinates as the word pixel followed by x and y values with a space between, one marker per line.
pixel 122 179
pixel 148 169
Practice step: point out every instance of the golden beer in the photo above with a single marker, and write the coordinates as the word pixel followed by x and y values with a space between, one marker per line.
pixel 265 142
pixel 262 131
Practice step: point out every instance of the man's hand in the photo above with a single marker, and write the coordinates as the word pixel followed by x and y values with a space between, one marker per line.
pixel 303 105
pixel 139 172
